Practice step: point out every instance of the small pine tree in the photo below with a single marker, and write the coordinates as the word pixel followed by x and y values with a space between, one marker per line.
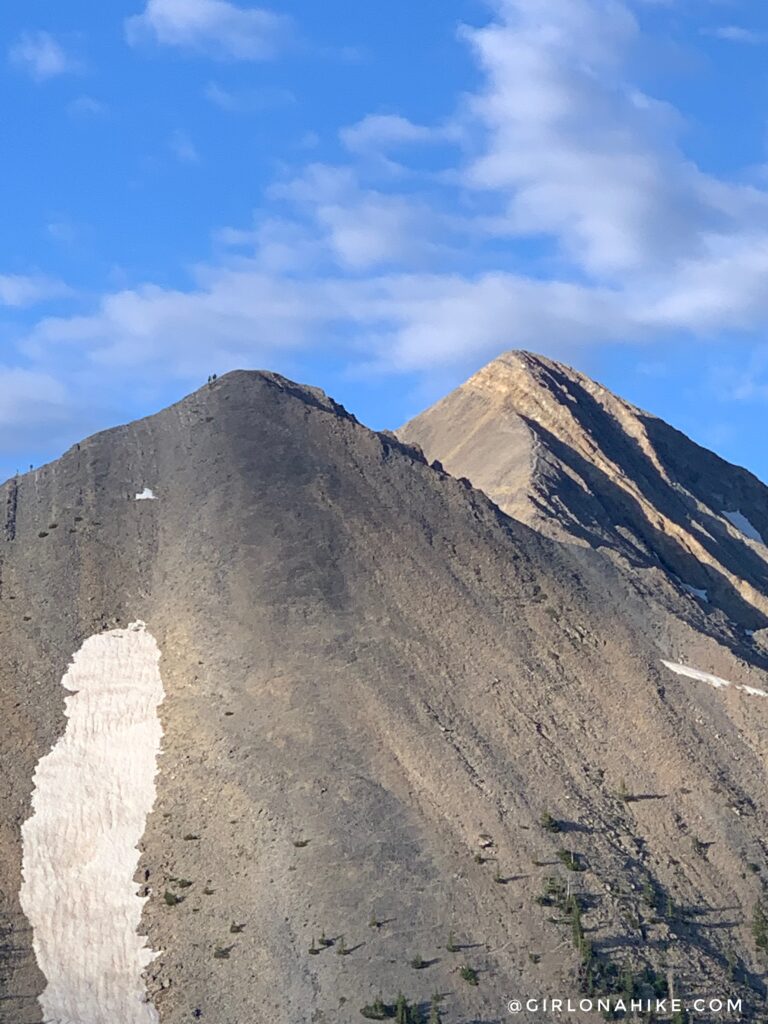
pixel 313 949
pixel 624 792
pixel 649 895
pixel 402 1012
pixel 469 974
pixel 341 949
pixel 627 981
pixel 548 823
pixel 452 947
pixel 760 926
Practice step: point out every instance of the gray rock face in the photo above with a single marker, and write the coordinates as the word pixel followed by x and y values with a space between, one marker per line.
pixel 376 687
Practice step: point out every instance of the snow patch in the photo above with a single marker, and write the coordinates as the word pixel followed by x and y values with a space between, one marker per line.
pixel 743 524
pixel 703 595
pixel 146 495
pixel 92 794
pixel 753 691
pixel 707 677
pixel 695 673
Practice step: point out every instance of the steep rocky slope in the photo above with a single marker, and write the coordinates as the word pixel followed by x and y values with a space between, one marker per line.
pixel 562 453
pixel 390 714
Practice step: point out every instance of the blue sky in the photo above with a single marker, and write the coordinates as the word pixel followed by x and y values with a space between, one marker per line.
pixel 378 199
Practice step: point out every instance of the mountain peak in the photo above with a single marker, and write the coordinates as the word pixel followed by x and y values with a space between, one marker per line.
pixel 561 452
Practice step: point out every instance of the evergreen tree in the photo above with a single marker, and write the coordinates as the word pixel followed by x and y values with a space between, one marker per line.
pixel 760 926
pixel 402 1014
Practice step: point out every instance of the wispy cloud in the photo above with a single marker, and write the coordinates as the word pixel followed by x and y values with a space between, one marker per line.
pixel 559 151
pixel 738 34
pixel 183 148
pixel 18 291
pixel 215 28
pixel 86 106
pixel 41 56
pixel 247 101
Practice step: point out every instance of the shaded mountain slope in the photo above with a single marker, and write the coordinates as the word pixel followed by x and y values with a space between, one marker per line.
pixel 376 684
pixel 562 453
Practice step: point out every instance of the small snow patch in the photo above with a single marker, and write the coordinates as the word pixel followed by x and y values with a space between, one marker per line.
pixel 743 524
pixel 146 495
pixel 707 677
pixel 703 595
pixel 695 673
pixel 753 691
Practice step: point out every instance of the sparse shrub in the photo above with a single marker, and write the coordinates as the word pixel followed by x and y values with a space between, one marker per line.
pixel 235 929
pixel 172 899
pixel 376 1010
pixel 300 843
pixel 571 860
pixel 183 883
pixel 189 837
pixel 314 949
pixel 222 952
pixel 699 846
pixel 550 824
pixel 469 974
pixel 324 940
pixel 624 793
pixel 341 948
pixel 650 896
pixel 451 944
pixel 418 963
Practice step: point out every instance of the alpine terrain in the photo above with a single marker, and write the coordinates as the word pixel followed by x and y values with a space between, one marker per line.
pixel 298 726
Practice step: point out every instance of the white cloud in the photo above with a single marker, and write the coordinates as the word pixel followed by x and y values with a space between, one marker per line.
pixel 380 131
pixel 39 55
pixel 737 34
pixel 183 148
pixel 216 28
pixel 18 291
pixel 86 106
pixel 364 227
pixel 24 392
pixel 247 101
pixel 633 241
pixel 574 151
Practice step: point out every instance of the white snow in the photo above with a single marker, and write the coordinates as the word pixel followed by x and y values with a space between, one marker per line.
pixel 702 594
pixel 146 495
pixel 695 673
pixel 707 677
pixel 92 794
pixel 743 524
pixel 753 692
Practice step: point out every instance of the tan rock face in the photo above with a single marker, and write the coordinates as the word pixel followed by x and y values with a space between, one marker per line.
pixel 563 454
